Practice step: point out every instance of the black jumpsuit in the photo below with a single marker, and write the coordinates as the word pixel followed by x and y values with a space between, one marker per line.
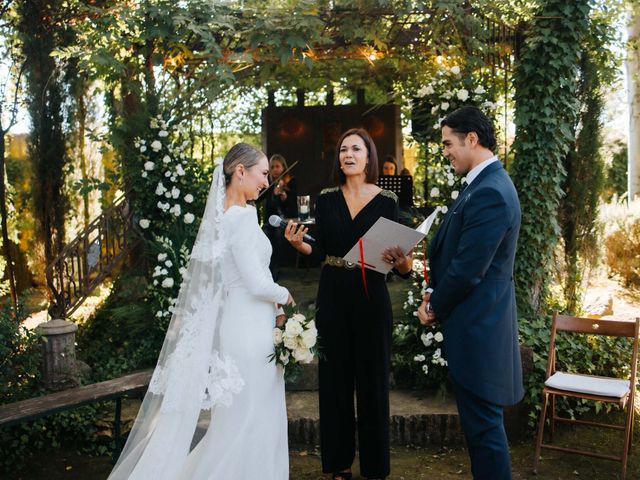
pixel 355 337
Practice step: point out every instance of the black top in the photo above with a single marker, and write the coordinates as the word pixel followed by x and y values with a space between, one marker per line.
pixel 336 232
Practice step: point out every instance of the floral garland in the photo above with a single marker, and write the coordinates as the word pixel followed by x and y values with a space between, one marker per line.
pixel 417 360
pixel 449 90
pixel 169 199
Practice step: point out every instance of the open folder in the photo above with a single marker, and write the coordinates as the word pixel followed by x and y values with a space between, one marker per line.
pixel 386 233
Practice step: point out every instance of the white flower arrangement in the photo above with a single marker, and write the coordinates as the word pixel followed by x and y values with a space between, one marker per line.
pixel 295 343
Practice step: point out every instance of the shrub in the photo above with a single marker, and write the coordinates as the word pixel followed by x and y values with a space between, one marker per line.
pixel 623 253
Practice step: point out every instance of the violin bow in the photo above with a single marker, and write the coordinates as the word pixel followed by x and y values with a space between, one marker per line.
pixel 275 182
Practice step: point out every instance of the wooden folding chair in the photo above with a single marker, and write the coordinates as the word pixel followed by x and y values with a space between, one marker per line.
pixel 590 387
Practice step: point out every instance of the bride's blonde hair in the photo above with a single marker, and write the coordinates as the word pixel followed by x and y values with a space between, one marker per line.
pixel 240 154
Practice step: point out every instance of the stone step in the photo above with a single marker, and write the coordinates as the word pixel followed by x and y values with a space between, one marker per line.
pixel 417 418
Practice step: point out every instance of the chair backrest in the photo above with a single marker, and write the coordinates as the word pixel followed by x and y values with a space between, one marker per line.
pixel 593 326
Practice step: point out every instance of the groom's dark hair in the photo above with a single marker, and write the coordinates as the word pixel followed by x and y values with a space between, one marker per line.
pixel 471 119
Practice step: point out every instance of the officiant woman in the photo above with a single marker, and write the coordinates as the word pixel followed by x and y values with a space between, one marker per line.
pixel 354 317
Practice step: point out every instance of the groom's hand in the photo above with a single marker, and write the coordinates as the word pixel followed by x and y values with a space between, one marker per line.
pixel 426 315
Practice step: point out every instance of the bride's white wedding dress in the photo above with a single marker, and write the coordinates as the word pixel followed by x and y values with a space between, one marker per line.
pixel 247 439
pixel 215 357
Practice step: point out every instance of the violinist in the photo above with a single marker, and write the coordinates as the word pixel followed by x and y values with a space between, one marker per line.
pixel 280 200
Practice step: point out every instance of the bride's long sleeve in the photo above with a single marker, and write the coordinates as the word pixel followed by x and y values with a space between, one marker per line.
pixel 243 233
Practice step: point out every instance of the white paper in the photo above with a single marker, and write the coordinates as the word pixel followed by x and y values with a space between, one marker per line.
pixel 384 234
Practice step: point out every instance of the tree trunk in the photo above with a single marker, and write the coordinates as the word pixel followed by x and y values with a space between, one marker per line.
pixel 633 83
pixel 6 245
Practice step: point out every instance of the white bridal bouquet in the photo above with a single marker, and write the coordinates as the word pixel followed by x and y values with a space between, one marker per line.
pixel 295 343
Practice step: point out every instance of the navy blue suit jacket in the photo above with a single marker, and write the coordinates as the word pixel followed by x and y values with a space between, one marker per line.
pixel 471 260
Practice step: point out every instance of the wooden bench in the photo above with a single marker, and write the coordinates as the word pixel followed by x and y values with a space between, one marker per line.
pixel 129 386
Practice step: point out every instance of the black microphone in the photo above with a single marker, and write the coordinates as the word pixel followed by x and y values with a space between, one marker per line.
pixel 278 222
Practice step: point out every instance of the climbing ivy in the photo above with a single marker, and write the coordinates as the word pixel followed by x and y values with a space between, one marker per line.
pixel 546 110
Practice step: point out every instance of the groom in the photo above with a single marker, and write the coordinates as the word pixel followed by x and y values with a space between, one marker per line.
pixel 471 260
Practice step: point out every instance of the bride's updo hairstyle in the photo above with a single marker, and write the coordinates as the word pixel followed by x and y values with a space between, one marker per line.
pixel 240 154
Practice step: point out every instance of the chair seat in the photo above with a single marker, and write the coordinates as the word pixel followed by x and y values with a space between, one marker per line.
pixel 606 387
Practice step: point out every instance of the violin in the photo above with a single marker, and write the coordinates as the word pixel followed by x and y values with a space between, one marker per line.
pixel 283 185
pixel 277 182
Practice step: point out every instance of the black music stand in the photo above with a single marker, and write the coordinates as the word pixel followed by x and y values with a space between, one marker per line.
pixel 401 185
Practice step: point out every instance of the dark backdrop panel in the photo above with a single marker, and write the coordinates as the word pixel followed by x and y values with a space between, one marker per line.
pixel 309 135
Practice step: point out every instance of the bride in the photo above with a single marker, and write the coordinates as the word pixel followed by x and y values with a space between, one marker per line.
pixel 214 356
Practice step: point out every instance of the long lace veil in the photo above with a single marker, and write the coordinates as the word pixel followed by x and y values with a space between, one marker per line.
pixel 190 375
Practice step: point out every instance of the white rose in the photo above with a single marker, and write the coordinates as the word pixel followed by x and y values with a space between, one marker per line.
pixel 284 357
pixel 430 90
pixel 448 94
pixel 188 198
pixel 290 342
pixel 156 145
pixel 303 355
pixel 444 209
pixel 167 174
pixel 166 159
pixel 144 223
pixel 144 175
pixel 463 94
pixel 175 192
pixel 292 327
pixel 438 337
pixel 167 282
pixel 162 257
pixel 455 70
pixel 176 210
pixel 444 106
pixel 277 336
pixel 479 90
pixel 149 165
pixel 437 354
pixel 425 369
pixel 179 170
pixel 450 182
pixel 454 194
pixel 169 263
pixel 425 340
pixel 298 317
pixel 167 194
pixel 189 218
pixel 309 338
pixel 143 149
pixel 163 133
pixel 183 271
pixel 434 109
pixel 419 358
pixel 160 189
pixel 435 192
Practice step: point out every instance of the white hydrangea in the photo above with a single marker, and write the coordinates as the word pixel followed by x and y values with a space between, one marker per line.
pixel 463 94
pixel 176 210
